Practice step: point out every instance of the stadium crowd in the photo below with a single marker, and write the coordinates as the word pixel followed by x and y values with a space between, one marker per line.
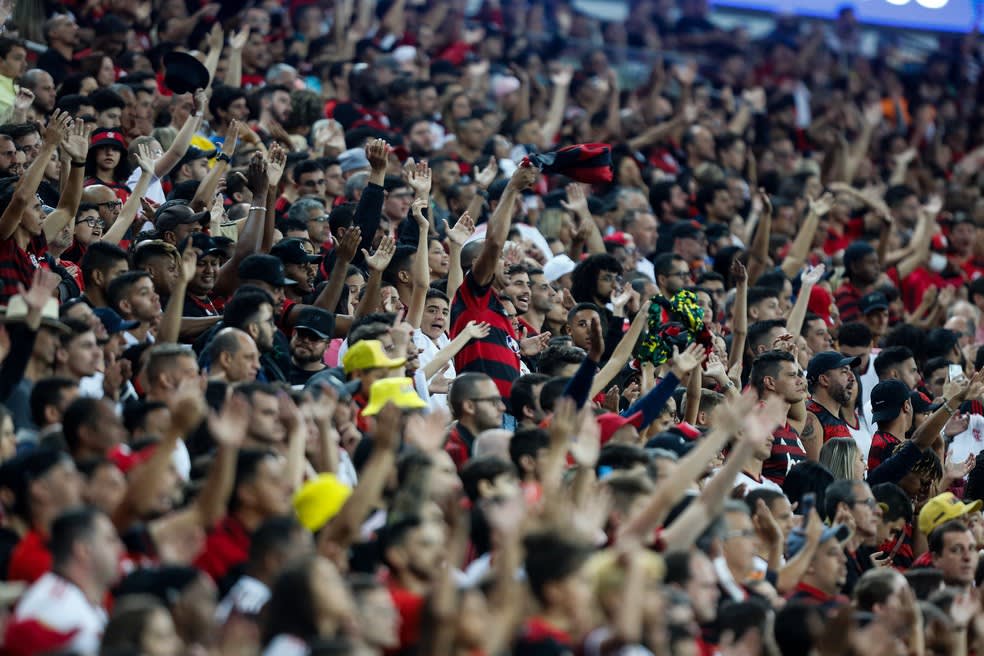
pixel 491 327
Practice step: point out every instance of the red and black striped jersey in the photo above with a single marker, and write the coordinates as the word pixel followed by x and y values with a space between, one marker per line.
pixel 832 425
pixel 787 450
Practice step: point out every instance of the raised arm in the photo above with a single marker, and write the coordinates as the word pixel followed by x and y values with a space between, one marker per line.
pixel 558 100
pixel 804 238
pixel 472 330
pixel 577 203
pixel 118 230
pixel 75 143
pixel 234 71
pixel 27 186
pixel 758 255
pixel 376 263
pixel 206 190
pixel 739 319
pixel 797 315
pixel 170 326
pixel 345 251
pixel 421 271
pixel 178 149
pixel 215 40
pixel 498 227
pixel 463 228
pixel 622 352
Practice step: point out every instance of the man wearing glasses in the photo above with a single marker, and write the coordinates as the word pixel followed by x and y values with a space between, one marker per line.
pixel 106 202
pixel 672 274
pixel 851 503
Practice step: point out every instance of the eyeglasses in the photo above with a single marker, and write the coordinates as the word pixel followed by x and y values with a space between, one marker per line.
pixel 92 222
pixel 400 194
pixel 678 274
pixel 308 335
pixel 313 183
pixel 491 399
pixel 320 219
pixel 110 204
pixel 870 502
pixel 740 533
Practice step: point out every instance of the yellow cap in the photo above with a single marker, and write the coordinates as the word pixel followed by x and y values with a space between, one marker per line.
pixel 369 354
pixel 319 500
pixel 398 390
pixel 941 509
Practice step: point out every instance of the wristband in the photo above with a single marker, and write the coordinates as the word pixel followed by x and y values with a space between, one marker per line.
pixel 223 157
pixel 257 207
pixel 78 165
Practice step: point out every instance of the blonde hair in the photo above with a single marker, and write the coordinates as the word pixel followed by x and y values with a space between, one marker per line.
pixel 839 455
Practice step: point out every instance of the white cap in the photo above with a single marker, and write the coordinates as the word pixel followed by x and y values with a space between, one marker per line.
pixel 557 267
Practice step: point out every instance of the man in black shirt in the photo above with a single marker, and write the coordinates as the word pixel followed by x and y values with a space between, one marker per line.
pixel 312 332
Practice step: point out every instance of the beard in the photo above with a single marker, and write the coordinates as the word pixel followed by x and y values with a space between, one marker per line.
pixel 307 357
pixel 840 394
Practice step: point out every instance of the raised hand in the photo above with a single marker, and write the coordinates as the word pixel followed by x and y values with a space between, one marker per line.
pixel 427 432
pixel 477 329
pixel 379 260
pixel 739 275
pixel 24 99
pixel 187 266
pixel 348 245
pixel 419 178
pixel 238 39
pixel 576 202
pixel 485 177
pixel 187 406
pixel 290 415
pixel 42 289
pixel 229 425
pixel 765 524
pixel 417 209
pixel 276 160
pixel 201 99
pixel 75 141
pixel 215 38
pixel 813 274
pixel 462 230
pixel 873 115
pixel 386 435
pixel 217 211
pixel 597 346
pixel 715 368
pixel 377 152
pixel 256 176
pixel 821 206
pixel 58 126
pixel 533 345
pixel 586 443
pixel 683 363
pixel 564 422
pixel 524 177
pixel 145 158
pixel 562 76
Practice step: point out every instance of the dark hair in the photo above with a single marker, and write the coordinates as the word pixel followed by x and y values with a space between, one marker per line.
pixel 740 617
pixel 83 411
pixel 935 540
pixel 307 166
pixel 273 535
pixel 774 279
pixel 759 331
pixel 837 493
pixel 248 462
pixel 125 630
pixel 855 334
pixel 120 286
pixel 897 502
pixel 805 477
pixel 924 581
pixel 889 358
pixel 874 587
pixel 462 389
pixel 617 456
pixel 99 256
pixel 68 529
pixel 767 364
pixel 484 468
pixel 402 261
pixel 223 96
pixel 527 442
pixel 765 494
pixel 551 558
pixel 243 308
pixel 9 43
pixel 663 263
pixel 584 278
pixel 706 194
pixel 521 395
pixel 47 391
pixel 341 216
pixel 793 627
pixel 291 608
pixel 758 294
pixel 552 390
pixel 556 356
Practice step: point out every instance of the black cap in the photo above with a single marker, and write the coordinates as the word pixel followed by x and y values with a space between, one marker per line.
pixel 165 582
pixel 940 341
pixel 175 215
pixel 194 153
pixel 113 322
pixel 291 251
pixel 334 378
pixel 265 268
pixel 921 404
pixel 318 321
pixel 825 361
pixel 205 244
pixel 183 73
pixel 670 441
pixel 686 230
pixel 887 399
pixel 872 302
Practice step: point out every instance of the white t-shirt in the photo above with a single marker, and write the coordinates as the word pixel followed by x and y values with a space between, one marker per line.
pixel 751 484
pixel 428 351
pixel 59 605
pixel 970 442
pixel 247 597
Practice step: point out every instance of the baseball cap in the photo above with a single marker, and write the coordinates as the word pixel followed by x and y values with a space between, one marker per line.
pixel 872 302
pixel 369 354
pixel 265 268
pixel 17 310
pixel 107 137
pixel 291 251
pixel 194 153
pixel 398 390
pixel 557 267
pixel 887 399
pixel 353 159
pixel 609 422
pixel 797 539
pixel 941 509
pixel 172 216
pixel 824 361
pixel 331 377
pixel 686 230
pixel 671 441
pixel 319 500
pixel 921 404
pixel 320 322
pixel 113 321
pixel 205 244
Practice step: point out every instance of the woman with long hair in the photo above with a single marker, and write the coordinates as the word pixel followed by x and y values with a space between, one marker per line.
pixel 843 458
pixel 107 163
pixel 142 625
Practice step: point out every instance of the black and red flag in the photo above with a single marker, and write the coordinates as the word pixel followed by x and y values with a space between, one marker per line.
pixel 590 163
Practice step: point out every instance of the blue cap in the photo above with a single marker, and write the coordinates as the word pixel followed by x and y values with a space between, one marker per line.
pixel 797 539
pixel 114 323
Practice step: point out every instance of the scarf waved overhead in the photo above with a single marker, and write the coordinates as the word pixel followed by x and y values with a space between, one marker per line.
pixel 684 325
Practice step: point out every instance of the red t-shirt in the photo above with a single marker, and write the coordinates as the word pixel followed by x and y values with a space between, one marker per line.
pixel 30 559
pixel 411 607
pixel 226 546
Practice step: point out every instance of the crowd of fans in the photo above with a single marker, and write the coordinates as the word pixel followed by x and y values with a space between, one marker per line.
pixel 312 346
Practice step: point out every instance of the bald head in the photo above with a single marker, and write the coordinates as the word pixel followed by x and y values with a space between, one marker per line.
pixel 233 356
pixel 493 442
pixel 98 194
pixel 42 85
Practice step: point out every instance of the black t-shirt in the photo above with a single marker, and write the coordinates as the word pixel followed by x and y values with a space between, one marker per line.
pixel 298 376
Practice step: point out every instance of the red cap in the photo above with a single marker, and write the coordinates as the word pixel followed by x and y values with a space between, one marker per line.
pixel 611 422
pixel 126 458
